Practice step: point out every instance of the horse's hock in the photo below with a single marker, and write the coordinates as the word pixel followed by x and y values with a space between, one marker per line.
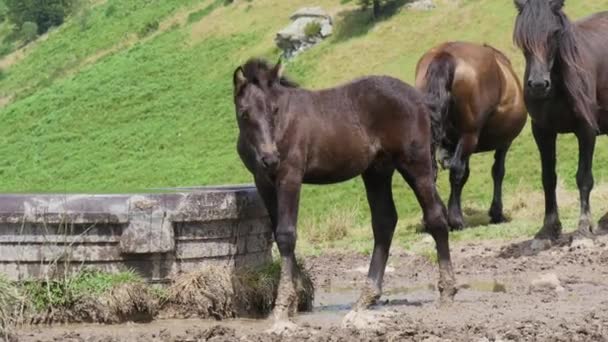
pixel 157 235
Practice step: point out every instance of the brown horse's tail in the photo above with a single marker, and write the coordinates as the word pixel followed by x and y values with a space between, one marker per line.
pixel 439 78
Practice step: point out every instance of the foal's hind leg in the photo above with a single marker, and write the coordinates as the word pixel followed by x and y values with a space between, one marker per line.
pixel 415 167
pixel 498 174
pixel 378 187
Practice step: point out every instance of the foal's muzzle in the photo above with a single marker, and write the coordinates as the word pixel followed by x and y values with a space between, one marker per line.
pixel 270 162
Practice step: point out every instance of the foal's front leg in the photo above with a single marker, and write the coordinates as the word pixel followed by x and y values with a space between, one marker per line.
pixel 584 179
pixel 288 188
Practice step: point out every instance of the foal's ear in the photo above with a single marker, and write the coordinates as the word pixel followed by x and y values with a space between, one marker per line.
pixel 519 4
pixel 557 5
pixel 238 79
pixel 277 71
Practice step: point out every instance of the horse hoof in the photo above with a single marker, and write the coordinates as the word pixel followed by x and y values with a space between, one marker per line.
pixel 548 233
pixel 498 219
pixel 583 233
pixel 456 224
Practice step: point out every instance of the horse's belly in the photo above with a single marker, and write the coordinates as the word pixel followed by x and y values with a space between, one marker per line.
pixel 501 129
pixel 335 171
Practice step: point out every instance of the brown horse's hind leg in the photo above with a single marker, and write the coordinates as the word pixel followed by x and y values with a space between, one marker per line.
pixel 416 169
pixel 459 174
pixel 498 174
pixel 378 186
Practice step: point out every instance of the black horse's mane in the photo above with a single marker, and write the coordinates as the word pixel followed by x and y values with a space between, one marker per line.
pixel 535 22
pixel 256 68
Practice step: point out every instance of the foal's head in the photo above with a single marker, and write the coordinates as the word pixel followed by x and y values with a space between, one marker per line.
pixel 256 87
pixel 539 28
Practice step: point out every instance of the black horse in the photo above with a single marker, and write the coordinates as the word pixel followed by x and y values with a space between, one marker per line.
pixel 566 91
pixel 368 127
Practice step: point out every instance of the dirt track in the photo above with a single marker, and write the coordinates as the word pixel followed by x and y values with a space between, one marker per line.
pixel 507 292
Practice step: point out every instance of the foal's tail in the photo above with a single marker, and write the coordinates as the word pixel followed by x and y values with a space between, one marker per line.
pixel 439 78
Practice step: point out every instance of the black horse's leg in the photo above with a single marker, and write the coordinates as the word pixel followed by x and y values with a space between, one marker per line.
pixel 417 171
pixel 545 141
pixel 288 186
pixel 498 174
pixel 584 178
pixel 378 186
pixel 459 174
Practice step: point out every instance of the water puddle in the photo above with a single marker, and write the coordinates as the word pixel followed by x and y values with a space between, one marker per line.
pixel 330 307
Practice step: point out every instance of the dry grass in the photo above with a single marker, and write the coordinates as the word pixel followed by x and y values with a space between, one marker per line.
pixel 204 293
pixel 10 300
pixel 218 292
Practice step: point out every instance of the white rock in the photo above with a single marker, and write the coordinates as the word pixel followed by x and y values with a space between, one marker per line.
pixel 548 281
pixel 582 243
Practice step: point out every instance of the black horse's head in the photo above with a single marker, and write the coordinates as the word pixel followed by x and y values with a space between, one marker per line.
pixel 256 86
pixel 539 28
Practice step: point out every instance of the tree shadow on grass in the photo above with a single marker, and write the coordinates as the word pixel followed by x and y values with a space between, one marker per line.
pixel 357 22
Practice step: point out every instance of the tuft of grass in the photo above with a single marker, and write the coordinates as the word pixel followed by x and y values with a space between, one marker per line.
pixel 200 14
pixel 312 29
pixel 64 293
pixel 10 299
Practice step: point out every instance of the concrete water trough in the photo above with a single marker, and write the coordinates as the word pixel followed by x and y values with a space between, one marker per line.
pixel 156 234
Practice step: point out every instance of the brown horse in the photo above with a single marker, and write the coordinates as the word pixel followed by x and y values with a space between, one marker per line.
pixel 566 91
pixel 368 127
pixel 478 106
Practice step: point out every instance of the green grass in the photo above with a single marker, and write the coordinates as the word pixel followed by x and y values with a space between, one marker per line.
pixel 65 292
pixel 101 110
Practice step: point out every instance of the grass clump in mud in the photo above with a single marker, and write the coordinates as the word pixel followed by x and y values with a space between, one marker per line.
pixel 216 292
pixel 10 304
pixel 90 296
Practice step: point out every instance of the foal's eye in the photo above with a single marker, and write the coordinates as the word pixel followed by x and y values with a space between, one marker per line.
pixel 244 115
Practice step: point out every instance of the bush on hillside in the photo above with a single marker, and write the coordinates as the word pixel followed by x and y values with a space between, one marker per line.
pixel 44 13
pixel 375 4
pixel 3 11
pixel 29 31
pixel 148 28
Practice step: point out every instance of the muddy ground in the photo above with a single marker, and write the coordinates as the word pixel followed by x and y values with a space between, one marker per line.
pixel 508 292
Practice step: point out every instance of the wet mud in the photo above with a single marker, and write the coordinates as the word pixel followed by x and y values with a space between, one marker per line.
pixel 507 291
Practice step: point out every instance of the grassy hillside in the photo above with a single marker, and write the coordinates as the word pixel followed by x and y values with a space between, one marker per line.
pixel 104 104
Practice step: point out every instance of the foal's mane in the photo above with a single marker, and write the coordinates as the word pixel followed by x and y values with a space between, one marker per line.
pixel 256 69
pixel 531 34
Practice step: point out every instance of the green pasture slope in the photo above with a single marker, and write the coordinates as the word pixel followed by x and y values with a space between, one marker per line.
pixel 102 104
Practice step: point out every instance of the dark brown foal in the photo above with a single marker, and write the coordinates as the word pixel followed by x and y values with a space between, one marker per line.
pixel 369 127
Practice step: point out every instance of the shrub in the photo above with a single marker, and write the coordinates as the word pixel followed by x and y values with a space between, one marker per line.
pixel 148 28
pixel 45 13
pixel 110 11
pixel 312 29
pixel 29 31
